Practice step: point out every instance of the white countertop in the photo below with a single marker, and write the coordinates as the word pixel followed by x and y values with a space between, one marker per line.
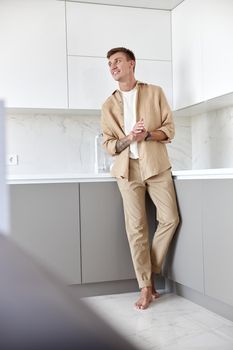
pixel 223 173
pixel 226 173
pixel 59 178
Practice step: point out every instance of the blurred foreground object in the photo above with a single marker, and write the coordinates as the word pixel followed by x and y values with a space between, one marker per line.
pixel 4 212
pixel 38 312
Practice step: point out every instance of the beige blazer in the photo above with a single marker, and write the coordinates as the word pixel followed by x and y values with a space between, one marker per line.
pixel 152 106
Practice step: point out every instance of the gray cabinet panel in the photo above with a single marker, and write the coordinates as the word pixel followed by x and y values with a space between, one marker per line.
pixel 105 249
pixel 45 222
pixel 184 263
pixel 218 239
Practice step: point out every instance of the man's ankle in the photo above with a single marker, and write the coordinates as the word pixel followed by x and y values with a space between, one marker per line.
pixel 146 288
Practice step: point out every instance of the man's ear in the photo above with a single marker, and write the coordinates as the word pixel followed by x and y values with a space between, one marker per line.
pixel 132 63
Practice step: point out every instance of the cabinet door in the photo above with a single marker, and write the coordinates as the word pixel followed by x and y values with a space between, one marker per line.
pixel 45 222
pixel 157 73
pixel 218 239
pixel 90 81
pixel 104 244
pixel 33 54
pixel 217 47
pixel 184 263
pixel 187 54
pixel 145 31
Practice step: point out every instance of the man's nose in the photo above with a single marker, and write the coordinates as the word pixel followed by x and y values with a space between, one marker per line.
pixel 113 66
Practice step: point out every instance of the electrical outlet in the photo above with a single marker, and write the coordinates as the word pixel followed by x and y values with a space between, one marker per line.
pixel 12 159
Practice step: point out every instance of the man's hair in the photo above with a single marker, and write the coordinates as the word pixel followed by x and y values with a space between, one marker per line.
pixel 129 54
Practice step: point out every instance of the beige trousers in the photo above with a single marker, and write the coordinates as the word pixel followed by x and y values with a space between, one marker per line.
pixel 161 190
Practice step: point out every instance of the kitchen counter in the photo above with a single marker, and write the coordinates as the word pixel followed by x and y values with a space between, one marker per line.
pixel 59 178
pixel 226 173
pixel 73 214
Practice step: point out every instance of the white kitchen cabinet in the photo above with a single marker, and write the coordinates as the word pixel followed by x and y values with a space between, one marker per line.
pixel 157 73
pixel 202 51
pixel 92 30
pixel 188 86
pixel 217 47
pixel 90 81
pixel 33 54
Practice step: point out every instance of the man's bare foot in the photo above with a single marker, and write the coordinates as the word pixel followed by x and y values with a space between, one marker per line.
pixel 145 298
pixel 154 293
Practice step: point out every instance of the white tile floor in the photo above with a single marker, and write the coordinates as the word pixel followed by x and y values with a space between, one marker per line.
pixel 170 323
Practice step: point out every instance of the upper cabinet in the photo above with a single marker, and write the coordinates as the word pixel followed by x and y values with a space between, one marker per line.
pixel 187 54
pixel 33 54
pixel 217 47
pixel 53 53
pixel 92 30
pixel 202 51
pixel 90 82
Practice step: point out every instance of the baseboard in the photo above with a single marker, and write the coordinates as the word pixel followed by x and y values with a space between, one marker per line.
pixel 112 287
pixel 209 303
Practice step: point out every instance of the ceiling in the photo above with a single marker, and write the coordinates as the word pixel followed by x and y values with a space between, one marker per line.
pixel 152 4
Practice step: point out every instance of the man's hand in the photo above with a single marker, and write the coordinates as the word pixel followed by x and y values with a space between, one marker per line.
pixel 139 127
pixel 139 132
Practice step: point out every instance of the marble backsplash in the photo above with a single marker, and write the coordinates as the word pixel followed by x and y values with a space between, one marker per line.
pixel 65 143
pixel 52 144
pixel 180 149
pixel 212 139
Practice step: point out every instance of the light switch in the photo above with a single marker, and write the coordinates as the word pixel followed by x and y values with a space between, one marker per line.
pixel 12 159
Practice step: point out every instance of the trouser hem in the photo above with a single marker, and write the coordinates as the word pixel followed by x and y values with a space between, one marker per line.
pixel 143 284
pixel 156 269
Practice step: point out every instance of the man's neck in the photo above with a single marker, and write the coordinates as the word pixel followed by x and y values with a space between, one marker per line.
pixel 127 85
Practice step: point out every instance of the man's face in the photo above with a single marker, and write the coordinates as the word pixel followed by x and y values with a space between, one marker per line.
pixel 121 68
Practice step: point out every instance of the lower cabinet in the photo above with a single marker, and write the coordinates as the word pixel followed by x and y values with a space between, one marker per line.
pixel 184 263
pixel 201 253
pixel 105 249
pixel 218 239
pixel 45 223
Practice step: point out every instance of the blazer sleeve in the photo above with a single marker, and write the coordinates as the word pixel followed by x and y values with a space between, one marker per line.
pixel 167 126
pixel 110 139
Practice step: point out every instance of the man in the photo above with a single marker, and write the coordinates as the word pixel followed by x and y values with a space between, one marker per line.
pixel 137 122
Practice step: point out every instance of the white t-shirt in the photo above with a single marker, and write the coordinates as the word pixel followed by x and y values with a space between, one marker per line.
pixel 129 103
